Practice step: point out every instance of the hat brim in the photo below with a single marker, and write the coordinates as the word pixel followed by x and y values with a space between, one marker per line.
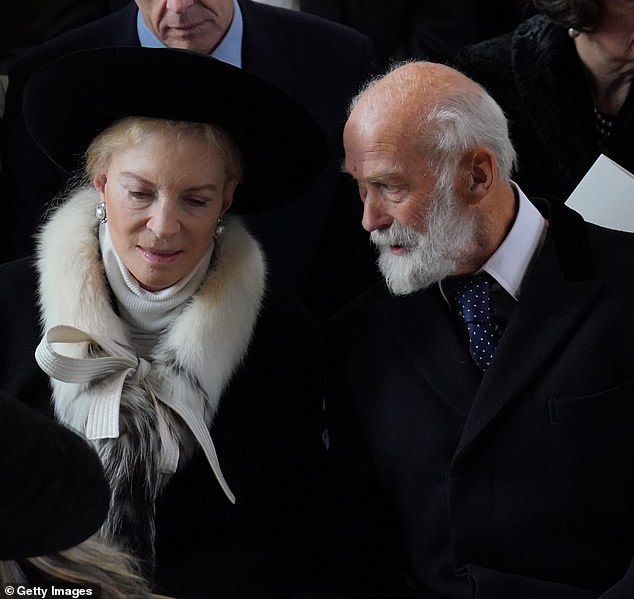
pixel 69 100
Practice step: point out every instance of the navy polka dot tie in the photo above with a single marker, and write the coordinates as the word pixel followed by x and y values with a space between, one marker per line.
pixel 473 298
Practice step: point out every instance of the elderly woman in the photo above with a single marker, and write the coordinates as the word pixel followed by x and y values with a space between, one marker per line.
pixel 563 78
pixel 199 386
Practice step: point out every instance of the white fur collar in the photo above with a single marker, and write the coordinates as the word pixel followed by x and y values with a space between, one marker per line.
pixel 209 339
pixel 195 357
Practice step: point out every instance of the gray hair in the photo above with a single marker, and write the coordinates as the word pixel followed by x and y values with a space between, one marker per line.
pixel 464 118
pixel 467 119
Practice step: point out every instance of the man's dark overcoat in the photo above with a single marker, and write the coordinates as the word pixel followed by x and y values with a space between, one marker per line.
pixel 516 484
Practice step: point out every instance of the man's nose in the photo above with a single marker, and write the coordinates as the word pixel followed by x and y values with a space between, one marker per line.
pixel 179 5
pixel 374 215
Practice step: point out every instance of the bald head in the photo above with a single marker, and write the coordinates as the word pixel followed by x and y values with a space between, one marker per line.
pixel 439 109
pixel 412 87
pixel 422 131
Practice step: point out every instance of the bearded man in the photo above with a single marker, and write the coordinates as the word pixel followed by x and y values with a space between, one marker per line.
pixel 480 404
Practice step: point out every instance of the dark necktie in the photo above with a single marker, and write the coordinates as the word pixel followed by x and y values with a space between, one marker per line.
pixel 473 298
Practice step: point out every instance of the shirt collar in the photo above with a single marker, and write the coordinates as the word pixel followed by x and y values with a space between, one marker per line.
pixel 228 50
pixel 509 263
pixel 511 260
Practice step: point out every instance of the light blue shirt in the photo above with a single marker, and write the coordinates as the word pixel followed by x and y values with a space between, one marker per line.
pixel 228 50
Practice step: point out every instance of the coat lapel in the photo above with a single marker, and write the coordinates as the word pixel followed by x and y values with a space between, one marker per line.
pixel 556 296
pixel 327 9
pixel 261 54
pixel 121 29
pixel 430 340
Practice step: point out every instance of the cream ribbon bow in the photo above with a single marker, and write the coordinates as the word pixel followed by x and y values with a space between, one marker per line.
pixel 111 371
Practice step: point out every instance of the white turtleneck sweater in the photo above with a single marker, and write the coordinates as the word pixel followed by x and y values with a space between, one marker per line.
pixel 147 313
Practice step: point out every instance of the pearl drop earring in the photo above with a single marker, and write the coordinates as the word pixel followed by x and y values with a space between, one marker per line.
pixel 100 213
pixel 220 227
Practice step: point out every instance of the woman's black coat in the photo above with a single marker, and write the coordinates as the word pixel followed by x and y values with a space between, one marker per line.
pixel 536 75
pixel 268 434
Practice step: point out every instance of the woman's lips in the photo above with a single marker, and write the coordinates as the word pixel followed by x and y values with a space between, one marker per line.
pixel 160 256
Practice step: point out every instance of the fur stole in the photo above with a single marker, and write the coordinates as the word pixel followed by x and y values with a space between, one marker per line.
pixel 196 356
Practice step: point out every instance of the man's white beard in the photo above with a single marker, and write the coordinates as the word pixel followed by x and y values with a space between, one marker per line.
pixel 431 256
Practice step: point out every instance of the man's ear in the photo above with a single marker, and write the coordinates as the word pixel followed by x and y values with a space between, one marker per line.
pixel 477 171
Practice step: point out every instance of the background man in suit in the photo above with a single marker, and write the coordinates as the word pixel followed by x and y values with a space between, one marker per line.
pixel 319 63
pixel 471 471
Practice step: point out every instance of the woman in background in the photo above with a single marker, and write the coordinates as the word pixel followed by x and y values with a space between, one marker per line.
pixel 563 78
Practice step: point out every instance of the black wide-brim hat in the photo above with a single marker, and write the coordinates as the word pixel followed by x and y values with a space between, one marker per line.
pixel 69 100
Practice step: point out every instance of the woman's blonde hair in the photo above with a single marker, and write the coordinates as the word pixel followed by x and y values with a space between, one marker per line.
pixel 129 131
pixel 94 564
